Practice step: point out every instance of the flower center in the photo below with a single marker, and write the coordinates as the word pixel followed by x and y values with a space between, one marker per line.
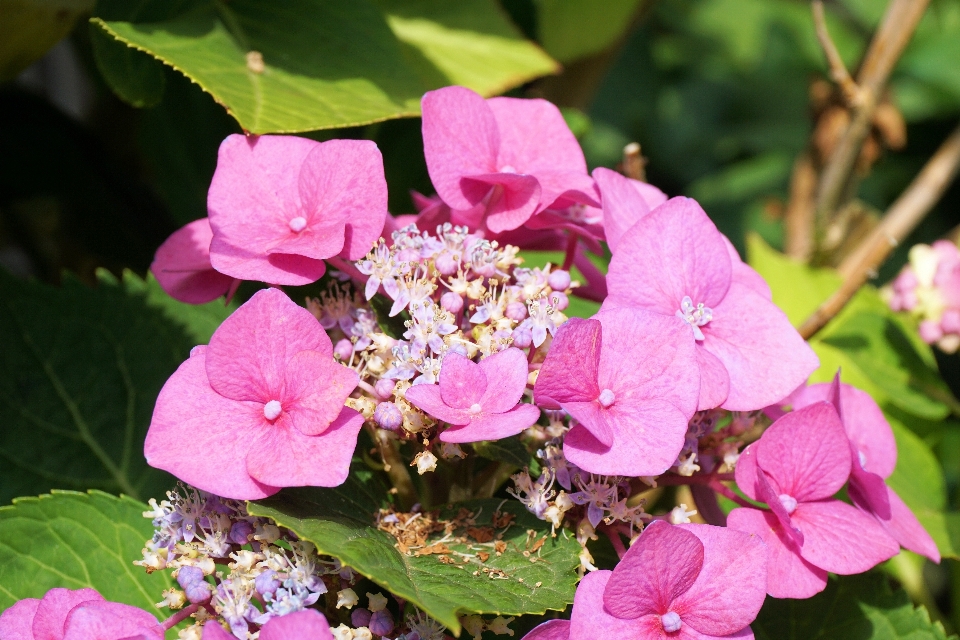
pixel 671 621
pixel 507 169
pixel 298 224
pixel 695 316
pixel 606 398
pixel 789 502
pixel 272 410
pixel 863 459
pixel 475 409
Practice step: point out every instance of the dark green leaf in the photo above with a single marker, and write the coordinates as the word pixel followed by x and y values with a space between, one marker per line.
pixel 393 326
pixel 571 29
pixel 80 370
pixel 340 522
pixel 77 540
pixel 133 75
pixel 862 607
pixel 509 450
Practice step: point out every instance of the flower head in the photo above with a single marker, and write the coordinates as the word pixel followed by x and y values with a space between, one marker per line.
pixel 82 614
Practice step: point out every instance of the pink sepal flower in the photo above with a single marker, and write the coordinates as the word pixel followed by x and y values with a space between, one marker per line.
pixel 692 581
pixel 182 266
pixel 796 467
pixel 630 380
pixel 280 205
pixel 82 614
pixel 307 624
pixel 517 157
pixel 481 401
pixel 873 458
pixel 624 202
pixel 261 407
pixel 675 262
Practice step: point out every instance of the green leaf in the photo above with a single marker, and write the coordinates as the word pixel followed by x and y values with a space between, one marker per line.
pixel 509 450
pixel 77 540
pixel 862 607
pixel 317 64
pixel 340 523
pixel 80 370
pixel 572 29
pixel 28 28
pixel 133 75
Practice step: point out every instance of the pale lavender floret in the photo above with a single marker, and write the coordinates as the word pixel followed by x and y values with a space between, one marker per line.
pixel 383 269
pixel 428 325
pixel 403 366
pixel 387 415
pixel 363 328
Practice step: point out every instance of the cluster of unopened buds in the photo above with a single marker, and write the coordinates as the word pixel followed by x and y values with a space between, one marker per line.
pixel 928 288
pixel 432 334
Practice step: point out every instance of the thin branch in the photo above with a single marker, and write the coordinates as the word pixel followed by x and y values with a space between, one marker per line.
pixel 838 70
pixel 901 218
pixel 634 164
pixel 798 221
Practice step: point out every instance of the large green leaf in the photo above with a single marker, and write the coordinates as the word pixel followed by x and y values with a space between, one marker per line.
pixel 77 540
pixel 862 607
pixel 80 370
pixel 524 579
pixel 571 29
pixel 28 28
pixel 314 64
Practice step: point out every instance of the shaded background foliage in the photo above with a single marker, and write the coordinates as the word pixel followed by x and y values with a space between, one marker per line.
pixel 106 150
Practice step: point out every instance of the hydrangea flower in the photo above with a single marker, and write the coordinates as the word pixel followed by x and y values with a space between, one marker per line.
pixel 182 266
pixel 928 288
pixel 82 614
pixel 689 581
pixel 307 624
pixel 796 467
pixel 280 205
pixel 481 401
pixel 675 262
pixel 624 202
pixel 267 397
pixel 518 157
pixel 873 456
pixel 630 380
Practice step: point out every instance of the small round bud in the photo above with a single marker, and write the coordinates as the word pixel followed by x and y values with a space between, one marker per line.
pixel 384 388
pixel 447 263
pixel 343 349
pixel 451 302
pixel 516 311
pixel 930 331
pixel 360 617
pixel 559 280
pixel 240 532
pixel 387 415
pixel 266 582
pixel 522 337
pixel 559 300
pixel 381 623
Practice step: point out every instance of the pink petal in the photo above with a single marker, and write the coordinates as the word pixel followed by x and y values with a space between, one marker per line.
pixel 744 274
pixel 595 419
pixel 307 624
pixel 745 472
pixel 904 527
pixel 51 614
pixel 506 379
pixel 673 252
pixel 316 388
pixel 272 268
pixel 864 422
pixel 191 422
pixel 687 632
pixel 101 620
pixel 213 631
pixel 182 265
pixel 16 623
pixel 284 457
pixel 764 355
pixel 841 539
pixel 732 584
pixel 788 575
pixel 806 454
pixel 534 137
pixel 659 567
pixel 569 372
pixel 589 614
pixel 766 494
pixel 460 138
pixel 513 198
pixel 868 490
pixel 714 380
pixel 427 397
pixel 249 352
pixel 341 182
pixel 495 426
pixel 622 204
pixel 559 188
pixel 550 630
pixel 462 381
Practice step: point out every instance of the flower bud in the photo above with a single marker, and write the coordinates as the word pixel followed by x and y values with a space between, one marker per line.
pixel 266 582
pixel 451 302
pixel 516 311
pixel 384 388
pixel 388 416
pixel 447 263
pixel 381 623
pixel 343 349
pixel 360 617
pixel 559 300
pixel 240 532
pixel 559 280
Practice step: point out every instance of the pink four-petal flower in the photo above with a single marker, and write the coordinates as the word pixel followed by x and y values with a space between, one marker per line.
pixel 82 614
pixel 261 407
pixel 307 624
pixel 182 266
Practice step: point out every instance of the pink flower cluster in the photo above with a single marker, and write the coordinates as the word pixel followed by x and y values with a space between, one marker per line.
pixel 928 288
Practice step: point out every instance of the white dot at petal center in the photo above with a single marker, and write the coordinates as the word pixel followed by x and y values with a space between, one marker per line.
pixel 272 410
pixel 298 224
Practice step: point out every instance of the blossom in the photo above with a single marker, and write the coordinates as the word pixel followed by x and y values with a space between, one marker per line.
pixel 182 266
pixel 693 580
pixel 630 380
pixel 624 202
pixel 516 156
pixel 675 262
pixel 82 614
pixel 280 205
pixel 801 461
pixel 873 456
pixel 266 397
pixel 481 401
pixel 307 624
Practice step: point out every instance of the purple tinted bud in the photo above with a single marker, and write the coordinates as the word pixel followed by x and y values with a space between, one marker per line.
pixel 198 593
pixel 194 586
pixel 930 331
pixel 384 388
pixel 360 617
pixel 559 300
pixel 266 582
pixel 522 337
pixel 388 416
pixel 381 623
pixel 559 280
pixel 451 302
pixel 188 575
pixel 516 311
pixel 447 263
pixel 240 532
pixel 343 349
